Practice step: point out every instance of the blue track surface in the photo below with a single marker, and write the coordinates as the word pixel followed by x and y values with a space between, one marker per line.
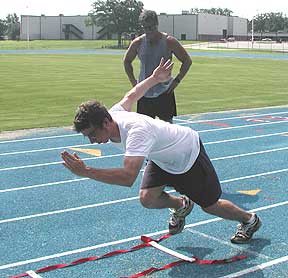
pixel 49 216
pixel 282 56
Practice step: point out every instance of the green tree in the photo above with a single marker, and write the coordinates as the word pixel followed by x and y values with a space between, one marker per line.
pixel 276 21
pixel 217 11
pixel 13 26
pixel 269 22
pixel 116 16
pixel 3 28
pixel 285 24
pixel 260 24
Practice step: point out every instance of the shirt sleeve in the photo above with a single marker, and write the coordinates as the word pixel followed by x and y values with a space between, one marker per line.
pixel 116 107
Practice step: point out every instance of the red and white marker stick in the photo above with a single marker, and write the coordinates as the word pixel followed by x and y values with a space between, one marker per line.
pixel 33 274
pixel 167 250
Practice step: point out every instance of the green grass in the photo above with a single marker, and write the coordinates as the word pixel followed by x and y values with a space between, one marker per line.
pixel 98 44
pixel 44 90
pixel 57 44
pixel 63 44
pixel 216 84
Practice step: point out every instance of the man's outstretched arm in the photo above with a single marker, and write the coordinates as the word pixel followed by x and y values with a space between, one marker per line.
pixel 125 176
pixel 161 74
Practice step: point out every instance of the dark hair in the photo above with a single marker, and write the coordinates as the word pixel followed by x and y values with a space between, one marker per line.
pixel 90 114
pixel 148 16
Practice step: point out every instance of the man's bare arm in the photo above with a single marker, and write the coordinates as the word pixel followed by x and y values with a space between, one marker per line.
pixel 125 176
pixel 129 57
pixel 181 54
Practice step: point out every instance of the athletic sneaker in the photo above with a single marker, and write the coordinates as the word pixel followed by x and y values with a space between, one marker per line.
pixel 245 231
pixel 177 216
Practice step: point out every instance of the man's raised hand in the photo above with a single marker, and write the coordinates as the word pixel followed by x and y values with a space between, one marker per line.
pixel 163 72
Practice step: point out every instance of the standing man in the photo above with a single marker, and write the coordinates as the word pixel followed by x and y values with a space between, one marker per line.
pixel 151 47
pixel 175 153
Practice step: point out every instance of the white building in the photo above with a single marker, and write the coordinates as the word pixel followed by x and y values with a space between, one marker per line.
pixel 203 27
pixel 57 28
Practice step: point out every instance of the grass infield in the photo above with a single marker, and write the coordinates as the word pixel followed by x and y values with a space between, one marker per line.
pixel 44 90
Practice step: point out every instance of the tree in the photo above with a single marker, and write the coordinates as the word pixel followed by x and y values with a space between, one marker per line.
pixel 3 28
pixel 13 26
pixel 217 11
pixel 116 16
pixel 285 24
pixel 276 21
pixel 259 24
pixel 269 22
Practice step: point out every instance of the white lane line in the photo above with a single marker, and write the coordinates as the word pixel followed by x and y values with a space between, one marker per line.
pixel 245 138
pixel 257 268
pixel 39 138
pixel 85 179
pixel 57 162
pixel 116 155
pixel 240 126
pixel 207 143
pixel 256 176
pixel 117 201
pixel 248 154
pixel 45 150
pixel 231 245
pixel 76 251
pixel 229 118
pixel 186 121
pixel 67 210
pixel 42 185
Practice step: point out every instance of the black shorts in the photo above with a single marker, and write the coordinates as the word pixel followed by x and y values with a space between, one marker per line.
pixel 163 106
pixel 200 183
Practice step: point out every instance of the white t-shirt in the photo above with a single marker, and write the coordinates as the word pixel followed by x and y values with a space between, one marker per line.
pixel 172 147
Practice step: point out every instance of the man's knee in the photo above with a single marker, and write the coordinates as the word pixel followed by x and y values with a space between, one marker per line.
pixel 211 209
pixel 148 198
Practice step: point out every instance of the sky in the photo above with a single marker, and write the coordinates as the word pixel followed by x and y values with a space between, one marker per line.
pixel 241 8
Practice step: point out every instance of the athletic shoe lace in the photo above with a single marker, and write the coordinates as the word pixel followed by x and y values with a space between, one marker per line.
pixel 244 229
pixel 176 215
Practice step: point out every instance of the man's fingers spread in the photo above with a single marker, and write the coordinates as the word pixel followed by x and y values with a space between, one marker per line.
pixel 169 67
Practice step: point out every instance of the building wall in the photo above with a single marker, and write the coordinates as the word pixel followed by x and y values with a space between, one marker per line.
pixel 209 24
pixel 186 26
pixel 240 26
pixel 230 27
pixel 50 27
pixel 30 27
pixel 215 27
pixel 166 23
pixel 179 25
pixel 89 32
